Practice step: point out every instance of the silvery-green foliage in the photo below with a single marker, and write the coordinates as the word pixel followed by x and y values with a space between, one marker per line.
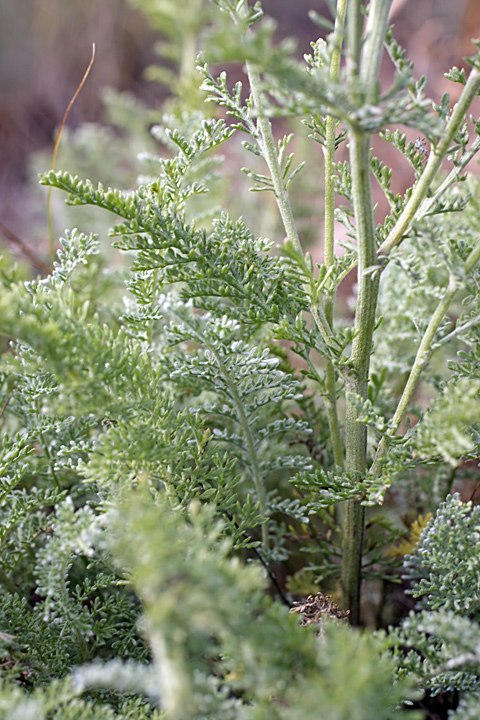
pixel 445 567
pixel 439 644
pixel 227 274
pixel 117 369
pixel 447 430
pixel 446 434
pixel 223 274
pixel 60 701
pixel 220 648
pixel 106 414
pixel 312 92
pixel 468 708
pixel 329 488
pixel 100 616
pixel 71 533
pixel 415 278
pixel 440 649
pixel 21 513
pixel 417 275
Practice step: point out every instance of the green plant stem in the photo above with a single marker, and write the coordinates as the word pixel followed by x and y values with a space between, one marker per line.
pixel 372 51
pixel 433 165
pixel 354 43
pixel 459 330
pixel 322 322
pixel 451 178
pixel 357 381
pixel 428 203
pixel 363 75
pixel 281 195
pixel 424 353
pixel 319 317
pixel 329 240
pixel 270 154
pixel 329 147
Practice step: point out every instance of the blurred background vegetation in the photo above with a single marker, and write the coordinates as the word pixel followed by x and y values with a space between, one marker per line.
pixel 45 47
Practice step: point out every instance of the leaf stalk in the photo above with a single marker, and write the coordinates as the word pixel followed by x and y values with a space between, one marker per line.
pixel 424 353
pixel 433 165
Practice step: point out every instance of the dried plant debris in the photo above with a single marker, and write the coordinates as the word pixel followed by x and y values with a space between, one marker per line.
pixel 316 608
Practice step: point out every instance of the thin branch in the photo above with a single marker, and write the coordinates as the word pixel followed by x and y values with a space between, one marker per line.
pixel 433 166
pixel 423 355
pixel 260 557
pixel 24 248
pixel 329 257
pixel 458 331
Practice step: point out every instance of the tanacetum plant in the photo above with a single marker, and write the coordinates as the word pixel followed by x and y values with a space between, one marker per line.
pixel 209 404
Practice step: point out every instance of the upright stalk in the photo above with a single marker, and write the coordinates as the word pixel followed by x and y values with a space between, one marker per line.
pixel 363 67
pixel 269 151
pixel 329 240
pixel 323 317
pixel 357 380
pixel 270 155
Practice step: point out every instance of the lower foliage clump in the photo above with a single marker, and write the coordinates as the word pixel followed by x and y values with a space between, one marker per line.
pixel 439 644
pixel 124 592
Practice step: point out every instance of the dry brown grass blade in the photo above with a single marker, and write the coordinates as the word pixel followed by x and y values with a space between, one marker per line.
pixel 55 150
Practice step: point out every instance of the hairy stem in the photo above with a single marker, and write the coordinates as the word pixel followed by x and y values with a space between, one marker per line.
pixel 357 381
pixel 457 332
pixel 373 47
pixel 363 74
